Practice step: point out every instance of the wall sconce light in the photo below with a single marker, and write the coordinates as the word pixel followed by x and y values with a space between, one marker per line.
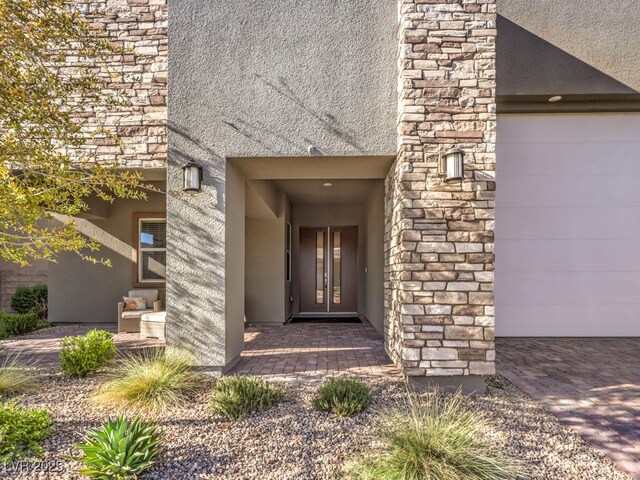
pixel 452 165
pixel 192 177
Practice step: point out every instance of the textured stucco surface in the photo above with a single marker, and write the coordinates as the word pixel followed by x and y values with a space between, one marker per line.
pixel 256 78
pixel 602 37
pixel 374 258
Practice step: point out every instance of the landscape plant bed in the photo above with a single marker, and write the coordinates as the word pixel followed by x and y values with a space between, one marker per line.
pixel 293 441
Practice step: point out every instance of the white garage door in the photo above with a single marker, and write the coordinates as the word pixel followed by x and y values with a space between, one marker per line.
pixel 568 225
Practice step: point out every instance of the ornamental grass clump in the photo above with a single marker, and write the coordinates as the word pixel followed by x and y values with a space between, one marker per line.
pixel 236 396
pixel 151 381
pixel 15 376
pixel 342 396
pixel 120 449
pixel 433 438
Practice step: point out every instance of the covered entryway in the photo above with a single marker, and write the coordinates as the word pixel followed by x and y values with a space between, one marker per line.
pixel 313 239
pixel 568 225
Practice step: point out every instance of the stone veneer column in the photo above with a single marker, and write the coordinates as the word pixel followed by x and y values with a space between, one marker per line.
pixel 439 313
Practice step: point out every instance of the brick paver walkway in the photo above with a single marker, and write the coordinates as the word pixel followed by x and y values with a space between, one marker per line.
pixel 592 384
pixel 44 346
pixel 307 352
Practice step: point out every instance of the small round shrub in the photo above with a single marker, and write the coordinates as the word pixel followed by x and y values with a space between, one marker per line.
pixel 21 430
pixel 85 354
pixel 342 396
pixel 18 323
pixel 238 395
pixel 31 300
pixel 119 449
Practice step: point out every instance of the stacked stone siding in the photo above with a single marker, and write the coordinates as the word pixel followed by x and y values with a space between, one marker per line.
pixel 14 277
pixel 139 76
pixel 439 236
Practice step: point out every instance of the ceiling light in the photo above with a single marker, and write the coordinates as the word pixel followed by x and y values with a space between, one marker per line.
pixel 327 184
pixel 555 98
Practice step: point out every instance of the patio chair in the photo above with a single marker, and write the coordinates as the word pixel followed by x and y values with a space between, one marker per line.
pixel 129 320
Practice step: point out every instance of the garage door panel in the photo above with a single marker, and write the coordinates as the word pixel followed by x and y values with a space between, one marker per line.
pixel 569 128
pixel 569 191
pixel 568 225
pixel 568 320
pixel 567 256
pixel 545 223
pixel 587 158
pixel 542 288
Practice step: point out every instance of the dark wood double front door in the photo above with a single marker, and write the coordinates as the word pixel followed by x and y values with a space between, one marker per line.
pixel 329 270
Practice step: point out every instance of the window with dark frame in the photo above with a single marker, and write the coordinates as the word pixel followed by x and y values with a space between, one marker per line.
pixel 152 250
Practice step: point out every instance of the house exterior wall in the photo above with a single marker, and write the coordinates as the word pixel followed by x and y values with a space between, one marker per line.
pixel 303 86
pixel 598 35
pixel 373 232
pixel 258 78
pixel 439 237
pixel 139 76
pixel 82 292
pixel 13 276
pixel 265 271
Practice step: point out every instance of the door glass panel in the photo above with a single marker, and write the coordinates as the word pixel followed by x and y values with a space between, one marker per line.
pixel 320 267
pixel 337 267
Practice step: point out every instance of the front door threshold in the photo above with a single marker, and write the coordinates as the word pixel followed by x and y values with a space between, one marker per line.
pixel 326 314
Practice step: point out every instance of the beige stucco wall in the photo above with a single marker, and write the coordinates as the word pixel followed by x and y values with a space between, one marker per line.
pixel 374 258
pixel 234 260
pixel 264 270
pixel 80 291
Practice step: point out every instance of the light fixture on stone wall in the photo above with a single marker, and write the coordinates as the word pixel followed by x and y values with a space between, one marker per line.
pixel 452 164
pixel 192 177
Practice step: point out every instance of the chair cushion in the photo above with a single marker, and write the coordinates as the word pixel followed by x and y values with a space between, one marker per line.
pixel 134 313
pixel 134 303
pixel 150 295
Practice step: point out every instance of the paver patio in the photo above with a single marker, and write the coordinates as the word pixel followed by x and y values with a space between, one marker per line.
pixel 43 347
pixel 310 351
pixel 592 384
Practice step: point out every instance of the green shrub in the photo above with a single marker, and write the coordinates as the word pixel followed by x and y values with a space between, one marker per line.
pixel 153 381
pixel 85 354
pixel 18 323
pixel 238 395
pixel 31 300
pixel 119 449
pixel 342 396
pixel 14 377
pixel 21 429
pixel 433 438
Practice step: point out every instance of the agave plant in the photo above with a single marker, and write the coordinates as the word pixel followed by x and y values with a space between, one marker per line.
pixel 119 449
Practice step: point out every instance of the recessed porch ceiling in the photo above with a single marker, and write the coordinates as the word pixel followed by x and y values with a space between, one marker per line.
pixel 313 192
pixel 324 168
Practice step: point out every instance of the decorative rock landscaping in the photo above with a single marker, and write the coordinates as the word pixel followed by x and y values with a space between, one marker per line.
pixel 293 441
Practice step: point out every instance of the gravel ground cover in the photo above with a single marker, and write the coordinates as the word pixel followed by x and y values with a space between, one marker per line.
pixel 292 441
